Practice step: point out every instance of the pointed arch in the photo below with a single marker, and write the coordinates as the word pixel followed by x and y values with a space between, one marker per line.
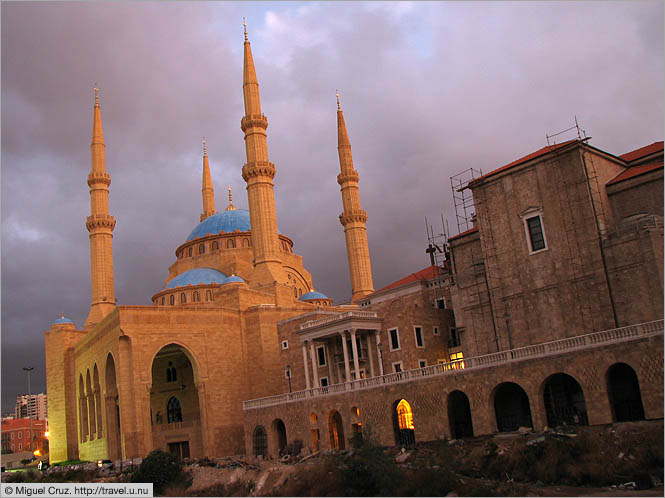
pixel 83 411
pixel 112 409
pixel 90 398
pixel 336 431
pixel 97 390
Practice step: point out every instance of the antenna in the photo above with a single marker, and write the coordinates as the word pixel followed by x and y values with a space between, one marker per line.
pixel 581 134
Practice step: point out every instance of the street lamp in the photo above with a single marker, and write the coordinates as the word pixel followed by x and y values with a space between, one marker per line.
pixel 288 375
pixel 29 369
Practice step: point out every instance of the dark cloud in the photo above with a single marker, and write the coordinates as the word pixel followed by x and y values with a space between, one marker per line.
pixel 428 90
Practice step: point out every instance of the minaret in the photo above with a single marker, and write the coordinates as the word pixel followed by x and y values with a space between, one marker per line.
pixel 353 218
pixel 258 172
pixel 230 207
pixel 207 190
pixel 100 224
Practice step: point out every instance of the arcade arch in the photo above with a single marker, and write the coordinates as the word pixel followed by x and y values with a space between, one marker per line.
pixel 564 401
pixel 624 393
pixel 511 407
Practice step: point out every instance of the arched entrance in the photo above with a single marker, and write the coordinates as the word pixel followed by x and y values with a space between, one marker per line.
pixel 175 413
pixel 278 435
pixel 459 415
pixel 511 407
pixel 112 408
pixel 623 389
pixel 564 401
pixel 336 430
pixel 405 434
pixel 314 432
pixel 260 441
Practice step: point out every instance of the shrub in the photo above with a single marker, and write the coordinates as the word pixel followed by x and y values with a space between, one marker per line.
pixel 161 469
pixel 369 471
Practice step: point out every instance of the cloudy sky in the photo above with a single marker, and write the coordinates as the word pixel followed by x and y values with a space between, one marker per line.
pixel 428 90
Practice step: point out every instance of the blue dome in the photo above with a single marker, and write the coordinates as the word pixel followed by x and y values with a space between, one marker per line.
pixel 313 295
pixel 62 320
pixel 233 278
pixel 197 276
pixel 227 221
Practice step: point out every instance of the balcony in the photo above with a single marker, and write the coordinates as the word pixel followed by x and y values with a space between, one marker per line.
pixel 546 349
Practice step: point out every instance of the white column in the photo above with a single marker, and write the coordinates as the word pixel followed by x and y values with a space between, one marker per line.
pixel 378 352
pixel 315 364
pixel 339 373
pixel 329 357
pixel 369 353
pixel 304 359
pixel 354 348
pixel 347 370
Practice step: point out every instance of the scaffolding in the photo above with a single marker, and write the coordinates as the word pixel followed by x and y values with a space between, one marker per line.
pixel 437 250
pixel 463 198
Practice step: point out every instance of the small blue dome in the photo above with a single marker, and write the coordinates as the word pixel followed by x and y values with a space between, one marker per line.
pixel 197 276
pixel 313 295
pixel 227 221
pixel 233 278
pixel 62 320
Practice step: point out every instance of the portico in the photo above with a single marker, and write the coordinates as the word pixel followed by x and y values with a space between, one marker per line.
pixel 347 344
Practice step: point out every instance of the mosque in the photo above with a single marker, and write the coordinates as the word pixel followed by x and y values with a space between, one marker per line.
pixel 240 354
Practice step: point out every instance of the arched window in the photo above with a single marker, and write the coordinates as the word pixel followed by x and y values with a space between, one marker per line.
pixel 171 299
pixel 295 292
pixel 190 252
pixel 163 299
pixel 245 242
pixel 183 298
pixel 173 410
pixel 171 373
pixel 260 441
pixel 215 246
pixel 230 244
pixel 208 295
pixel 202 248
pixel 195 296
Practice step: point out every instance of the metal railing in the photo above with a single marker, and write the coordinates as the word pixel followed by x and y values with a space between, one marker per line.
pixel 347 314
pixel 587 341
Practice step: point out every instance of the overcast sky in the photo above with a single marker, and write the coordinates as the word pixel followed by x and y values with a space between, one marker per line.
pixel 428 90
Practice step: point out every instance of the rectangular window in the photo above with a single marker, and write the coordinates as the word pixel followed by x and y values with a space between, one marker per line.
pixel 422 363
pixel 20 446
pixel 536 234
pixel 397 367
pixel 418 331
pixel 20 435
pixel 394 339
pixel 287 373
pixel 457 360
pixel 285 344
pixel 323 381
pixel 453 338
pixel 436 331
pixel 441 303
pixel 321 355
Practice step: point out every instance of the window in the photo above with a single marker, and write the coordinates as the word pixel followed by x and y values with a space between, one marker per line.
pixel 202 248
pixel 195 296
pixel 163 298
pixel 20 446
pixel 215 246
pixel 230 244
pixel 245 242
pixel 456 359
pixel 183 298
pixel 453 338
pixel 394 339
pixel 323 381
pixel 295 292
pixel 422 363
pixel 20 435
pixel 12 435
pixel 208 295
pixel 441 303
pixel 397 367
pixel 435 331
pixel 418 332
pixel 321 355
pixel 534 229
pixel 190 252
pixel 171 299
pixel 173 410
pixel 171 374
pixel 285 344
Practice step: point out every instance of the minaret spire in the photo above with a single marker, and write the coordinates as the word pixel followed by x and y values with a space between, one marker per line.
pixel 230 207
pixel 100 224
pixel 207 190
pixel 353 217
pixel 258 173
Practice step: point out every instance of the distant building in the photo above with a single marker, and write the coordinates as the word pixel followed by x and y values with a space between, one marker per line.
pixel 16 435
pixel 31 406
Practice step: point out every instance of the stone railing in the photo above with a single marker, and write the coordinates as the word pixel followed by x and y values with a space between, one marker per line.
pixel 174 426
pixel 340 316
pixel 545 349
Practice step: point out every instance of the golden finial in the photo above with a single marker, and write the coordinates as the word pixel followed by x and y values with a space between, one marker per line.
pixel 337 95
pixel 244 25
pixel 230 207
pixel 205 150
pixel 96 94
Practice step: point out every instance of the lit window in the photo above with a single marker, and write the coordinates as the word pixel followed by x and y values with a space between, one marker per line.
pixel 405 415
pixel 173 410
pixel 457 360
pixel 418 331
pixel 321 355
pixel 394 339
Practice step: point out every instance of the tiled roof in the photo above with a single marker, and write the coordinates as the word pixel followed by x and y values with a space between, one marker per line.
pixel 642 152
pixel 467 232
pixel 528 157
pixel 424 274
pixel 635 171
